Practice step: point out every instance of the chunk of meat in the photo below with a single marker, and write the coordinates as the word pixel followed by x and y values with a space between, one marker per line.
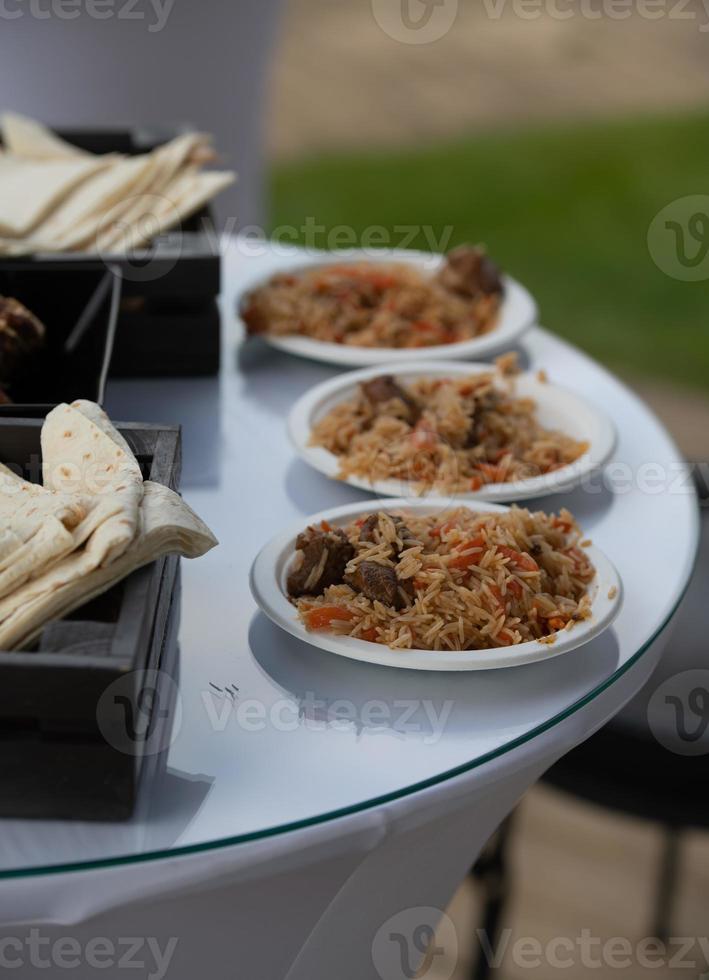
pixel 407 538
pixel 322 557
pixel 469 271
pixel 21 334
pixel 366 532
pixel 254 316
pixel 385 389
pixel 472 439
pixel 376 582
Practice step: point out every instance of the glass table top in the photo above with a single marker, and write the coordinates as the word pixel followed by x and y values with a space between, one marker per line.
pixel 272 734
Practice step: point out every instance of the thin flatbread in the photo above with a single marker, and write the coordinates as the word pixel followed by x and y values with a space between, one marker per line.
pixel 25 506
pixel 34 189
pixel 27 138
pixel 170 162
pixel 39 527
pixel 167 525
pixel 189 193
pixel 79 457
pixel 94 197
pixel 94 413
pixel 115 203
pixel 51 543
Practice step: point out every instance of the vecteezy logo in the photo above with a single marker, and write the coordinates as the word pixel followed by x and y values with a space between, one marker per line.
pixel 133 231
pixel 415 942
pixel 140 713
pixel 678 713
pixel 678 238
pixel 415 21
pixel 698 231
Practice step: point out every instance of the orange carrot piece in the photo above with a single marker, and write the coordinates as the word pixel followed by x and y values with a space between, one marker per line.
pixel 521 559
pixel 492 473
pixel 321 617
pixel 470 557
pixel 556 623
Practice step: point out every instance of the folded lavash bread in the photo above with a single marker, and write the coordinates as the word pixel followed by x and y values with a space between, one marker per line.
pixel 187 193
pixel 94 413
pixel 107 202
pixel 26 508
pixel 89 201
pixel 37 528
pixel 160 183
pixel 26 138
pixel 163 524
pixel 34 189
pixel 167 526
pixel 92 460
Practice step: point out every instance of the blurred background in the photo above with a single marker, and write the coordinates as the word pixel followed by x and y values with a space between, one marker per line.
pixel 555 140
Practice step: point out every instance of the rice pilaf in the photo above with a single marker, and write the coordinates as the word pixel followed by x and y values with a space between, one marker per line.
pixel 376 304
pixel 453 434
pixel 455 580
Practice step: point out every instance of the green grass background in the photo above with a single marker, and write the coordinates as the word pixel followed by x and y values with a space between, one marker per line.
pixel 564 208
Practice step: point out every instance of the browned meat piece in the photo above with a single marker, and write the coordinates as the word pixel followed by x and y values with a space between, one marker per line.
pixel 324 557
pixel 384 389
pixel 407 538
pixel 254 317
pixel 468 271
pixel 376 582
pixel 21 333
pixel 477 432
pixel 474 436
pixel 367 531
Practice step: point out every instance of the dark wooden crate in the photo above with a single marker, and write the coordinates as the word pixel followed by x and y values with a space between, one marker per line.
pixel 56 761
pixel 156 340
pixel 168 323
pixel 85 300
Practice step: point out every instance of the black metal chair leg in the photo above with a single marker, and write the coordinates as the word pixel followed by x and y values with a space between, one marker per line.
pixel 491 871
pixel 667 884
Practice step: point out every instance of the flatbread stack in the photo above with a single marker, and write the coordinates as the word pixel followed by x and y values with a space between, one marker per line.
pixel 58 198
pixel 92 523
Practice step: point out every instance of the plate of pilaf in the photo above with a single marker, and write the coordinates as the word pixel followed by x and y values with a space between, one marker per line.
pixel 451 430
pixel 419 586
pixel 368 307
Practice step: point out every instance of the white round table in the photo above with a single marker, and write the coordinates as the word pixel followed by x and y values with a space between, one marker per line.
pixel 287 824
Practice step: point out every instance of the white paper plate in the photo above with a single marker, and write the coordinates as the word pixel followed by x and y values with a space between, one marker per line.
pixel 268 577
pixel 518 312
pixel 557 408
